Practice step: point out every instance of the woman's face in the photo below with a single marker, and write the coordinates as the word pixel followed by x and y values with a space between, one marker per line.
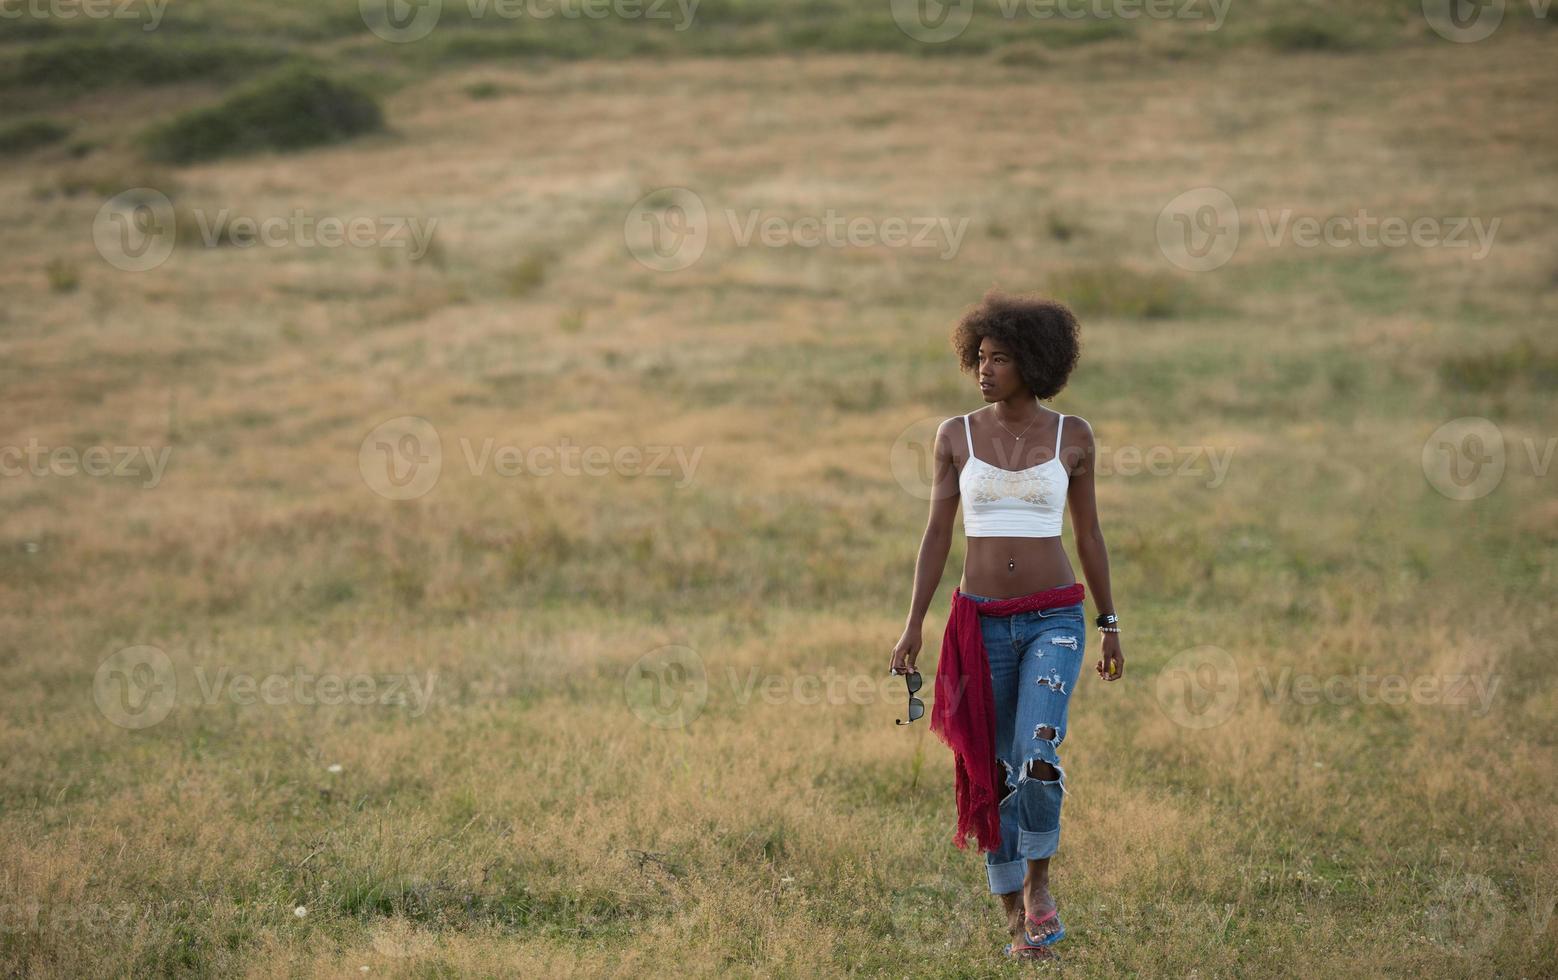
pixel 997 372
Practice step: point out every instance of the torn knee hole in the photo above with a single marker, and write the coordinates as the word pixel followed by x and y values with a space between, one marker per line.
pixel 1039 769
pixel 1046 732
pixel 1053 680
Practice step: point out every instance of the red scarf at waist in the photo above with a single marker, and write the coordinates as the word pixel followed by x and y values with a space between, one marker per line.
pixel 964 712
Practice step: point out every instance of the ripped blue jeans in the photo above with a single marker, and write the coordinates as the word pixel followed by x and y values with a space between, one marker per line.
pixel 1035 659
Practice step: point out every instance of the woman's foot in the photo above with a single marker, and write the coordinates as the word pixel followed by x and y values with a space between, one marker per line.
pixel 1041 922
pixel 1014 915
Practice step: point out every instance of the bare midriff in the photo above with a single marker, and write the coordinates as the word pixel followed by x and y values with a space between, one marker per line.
pixel 1001 568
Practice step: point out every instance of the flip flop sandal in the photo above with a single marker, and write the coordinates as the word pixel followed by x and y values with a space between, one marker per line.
pixel 1030 952
pixel 1048 940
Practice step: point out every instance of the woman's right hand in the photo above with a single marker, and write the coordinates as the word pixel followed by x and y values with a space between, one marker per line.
pixel 906 651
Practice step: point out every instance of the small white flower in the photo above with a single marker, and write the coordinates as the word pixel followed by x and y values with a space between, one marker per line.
pixel 363 968
pixel 333 767
pixel 300 911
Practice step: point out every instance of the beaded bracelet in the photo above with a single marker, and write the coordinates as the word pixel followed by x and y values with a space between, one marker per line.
pixel 1108 629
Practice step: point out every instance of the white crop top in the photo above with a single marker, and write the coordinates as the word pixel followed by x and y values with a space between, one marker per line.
pixel 1000 503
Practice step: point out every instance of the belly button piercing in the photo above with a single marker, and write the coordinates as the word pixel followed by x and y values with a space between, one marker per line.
pixel 1011 564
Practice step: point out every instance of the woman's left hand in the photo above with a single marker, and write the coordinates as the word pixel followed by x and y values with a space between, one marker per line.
pixel 1112 664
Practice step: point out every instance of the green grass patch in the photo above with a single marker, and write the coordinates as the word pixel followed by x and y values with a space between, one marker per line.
pixel 292 109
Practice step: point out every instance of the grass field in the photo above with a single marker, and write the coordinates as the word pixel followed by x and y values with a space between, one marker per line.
pixel 637 719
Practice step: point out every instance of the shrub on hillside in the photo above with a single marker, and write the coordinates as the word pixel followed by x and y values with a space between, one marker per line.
pixel 290 110
pixel 29 134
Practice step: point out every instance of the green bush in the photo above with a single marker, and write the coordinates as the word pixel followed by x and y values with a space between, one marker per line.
pixel 290 110
pixel 29 134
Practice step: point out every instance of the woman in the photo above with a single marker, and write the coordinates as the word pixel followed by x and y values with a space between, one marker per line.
pixel 1014 643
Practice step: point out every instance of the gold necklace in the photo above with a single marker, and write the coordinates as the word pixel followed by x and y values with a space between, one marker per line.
pixel 1025 429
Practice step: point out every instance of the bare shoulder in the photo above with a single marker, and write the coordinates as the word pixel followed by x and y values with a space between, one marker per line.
pixel 949 436
pixel 1076 441
pixel 1078 431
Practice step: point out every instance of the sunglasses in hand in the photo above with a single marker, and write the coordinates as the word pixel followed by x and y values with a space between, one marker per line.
pixel 916 706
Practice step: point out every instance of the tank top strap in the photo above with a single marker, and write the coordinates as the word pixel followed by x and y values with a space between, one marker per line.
pixel 968 435
pixel 1060 423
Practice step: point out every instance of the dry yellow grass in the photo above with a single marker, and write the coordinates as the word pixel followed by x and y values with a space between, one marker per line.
pixel 528 821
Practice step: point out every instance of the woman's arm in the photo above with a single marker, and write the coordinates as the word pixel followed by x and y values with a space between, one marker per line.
pixel 1090 540
pixel 934 547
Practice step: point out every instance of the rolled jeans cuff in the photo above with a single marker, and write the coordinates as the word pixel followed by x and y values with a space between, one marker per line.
pixel 1006 878
pixel 1036 845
